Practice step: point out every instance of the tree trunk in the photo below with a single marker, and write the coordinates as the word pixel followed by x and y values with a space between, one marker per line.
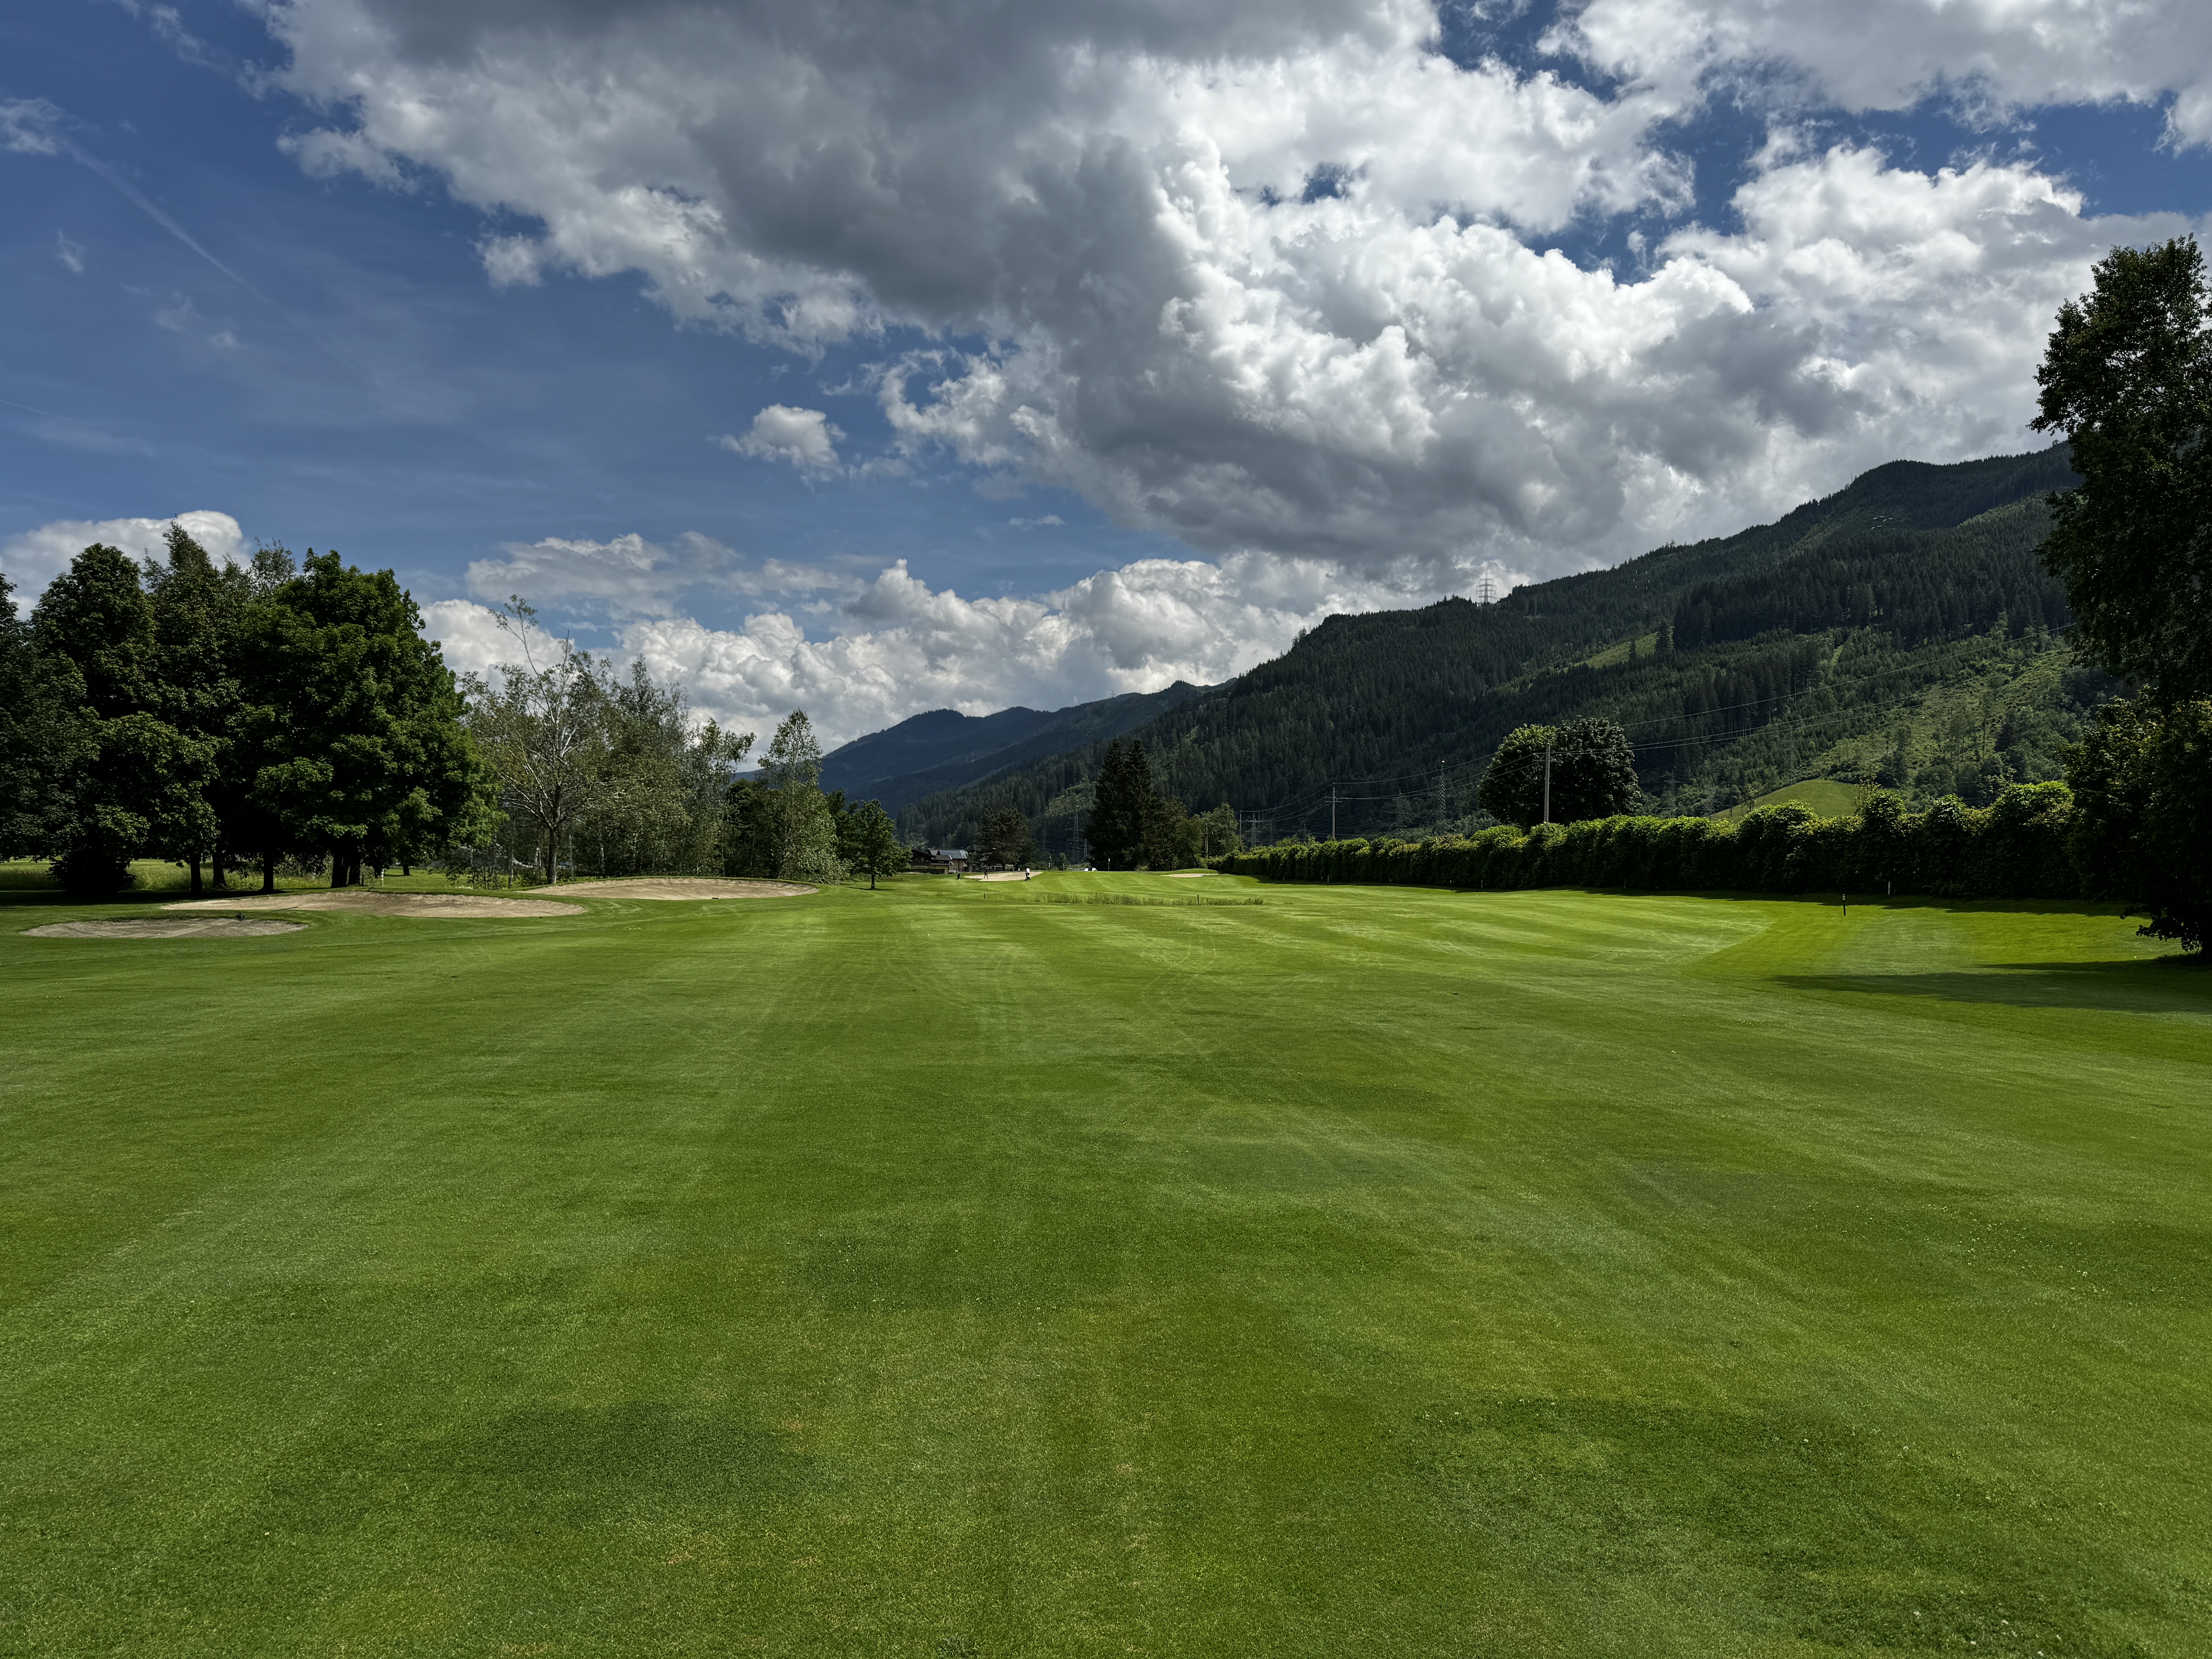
pixel 338 866
pixel 219 883
pixel 196 875
pixel 268 871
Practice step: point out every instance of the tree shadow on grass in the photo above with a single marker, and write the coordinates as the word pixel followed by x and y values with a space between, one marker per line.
pixel 2162 984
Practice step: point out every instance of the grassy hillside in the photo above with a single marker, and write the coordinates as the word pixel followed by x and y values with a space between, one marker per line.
pixel 948 1271
pixel 1856 627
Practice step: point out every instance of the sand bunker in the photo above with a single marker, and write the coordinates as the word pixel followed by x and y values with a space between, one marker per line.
pixel 459 906
pixel 168 928
pixel 1187 875
pixel 684 887
pixel 999 875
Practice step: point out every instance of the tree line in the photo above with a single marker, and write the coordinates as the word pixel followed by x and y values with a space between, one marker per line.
pixel 289 715
pixel 228 718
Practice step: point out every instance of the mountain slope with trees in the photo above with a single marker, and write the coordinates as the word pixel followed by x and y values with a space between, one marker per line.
pixel 944 748
pixel 1904 626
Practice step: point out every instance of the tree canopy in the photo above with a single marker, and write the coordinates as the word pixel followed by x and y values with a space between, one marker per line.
pixel 1592 773
pixel 2127 376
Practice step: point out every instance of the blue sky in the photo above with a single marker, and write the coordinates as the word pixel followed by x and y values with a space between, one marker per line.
pixel 1342 415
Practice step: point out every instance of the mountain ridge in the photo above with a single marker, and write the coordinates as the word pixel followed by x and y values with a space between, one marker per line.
pixel 1914 574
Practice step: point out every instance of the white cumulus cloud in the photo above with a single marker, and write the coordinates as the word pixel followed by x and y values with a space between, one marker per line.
pixel 805 438
pixel 1273 278
pixel 895 646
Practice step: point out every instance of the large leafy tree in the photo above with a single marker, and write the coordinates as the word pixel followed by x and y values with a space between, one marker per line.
pixel 138 785
pixel 546 729
pixel 802 825
pixel 869 843
pixel 1592 773
pixel 198 615
pixel 2142 815
pixel 2127 376
pixel 665 781
pixel 41 739
pixel 1005 839
pixel 1172 835
pixel 373 762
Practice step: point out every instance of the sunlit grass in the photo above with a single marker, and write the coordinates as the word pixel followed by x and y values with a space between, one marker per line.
pixel 940 1271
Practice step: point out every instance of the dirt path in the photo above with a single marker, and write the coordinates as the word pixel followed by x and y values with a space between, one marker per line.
pixel 168 927
pixel 684 887
pixel 459 906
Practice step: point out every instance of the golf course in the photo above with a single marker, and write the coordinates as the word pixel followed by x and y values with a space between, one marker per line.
pixel 1107 1264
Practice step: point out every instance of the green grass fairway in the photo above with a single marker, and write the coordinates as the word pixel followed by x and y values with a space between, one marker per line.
pixel 947 1271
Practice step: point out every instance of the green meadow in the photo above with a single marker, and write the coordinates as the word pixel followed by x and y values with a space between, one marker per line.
pixel 965 1269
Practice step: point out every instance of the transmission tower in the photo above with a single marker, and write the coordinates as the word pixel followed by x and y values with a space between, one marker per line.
pixel 1487 592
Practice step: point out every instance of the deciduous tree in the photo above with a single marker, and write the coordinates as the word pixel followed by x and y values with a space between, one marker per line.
pixel 1005 839
pixel 2142 815
pixel 2127 376
pixel 869 843
pixel 137 785
pixel 370 757
pixel 1593 774
pixel 801 825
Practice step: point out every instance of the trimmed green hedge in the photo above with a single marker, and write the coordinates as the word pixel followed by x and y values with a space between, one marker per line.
pixel 2013 848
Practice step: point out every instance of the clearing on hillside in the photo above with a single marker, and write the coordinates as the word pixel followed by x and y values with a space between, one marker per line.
pixel 957 1270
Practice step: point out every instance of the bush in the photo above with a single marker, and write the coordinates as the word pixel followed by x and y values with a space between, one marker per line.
pixel 2015 848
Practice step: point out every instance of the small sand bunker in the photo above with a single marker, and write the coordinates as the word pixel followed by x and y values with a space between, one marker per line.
pixel 684 887
pixel 459 906
pixel 1187 875
pixel 1000 875
pixel 168 928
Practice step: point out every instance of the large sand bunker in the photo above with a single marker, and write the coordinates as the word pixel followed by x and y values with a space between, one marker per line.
pixel 684 887
pixel 459 906
pixel 168 928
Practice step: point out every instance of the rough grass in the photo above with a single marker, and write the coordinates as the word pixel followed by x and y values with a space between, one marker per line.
pixel 1826 797
pixel 937 1272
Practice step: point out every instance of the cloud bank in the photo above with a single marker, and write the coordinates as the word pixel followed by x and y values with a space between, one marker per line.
pixel 1274 278
pixel 861 655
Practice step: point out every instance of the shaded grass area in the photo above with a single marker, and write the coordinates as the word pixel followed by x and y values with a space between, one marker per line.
pixel 938 1271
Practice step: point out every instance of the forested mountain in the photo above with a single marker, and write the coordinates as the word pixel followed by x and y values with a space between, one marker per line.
pixel 1903 628
pixel 944 748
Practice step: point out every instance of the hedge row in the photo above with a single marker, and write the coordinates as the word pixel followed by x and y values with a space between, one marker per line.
pixel 2015 848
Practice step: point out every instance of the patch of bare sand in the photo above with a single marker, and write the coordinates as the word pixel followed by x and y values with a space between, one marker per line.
pixel 1187 875
pixel 168 927
pixel 365 900
pixel 685 887
pixel 999 875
